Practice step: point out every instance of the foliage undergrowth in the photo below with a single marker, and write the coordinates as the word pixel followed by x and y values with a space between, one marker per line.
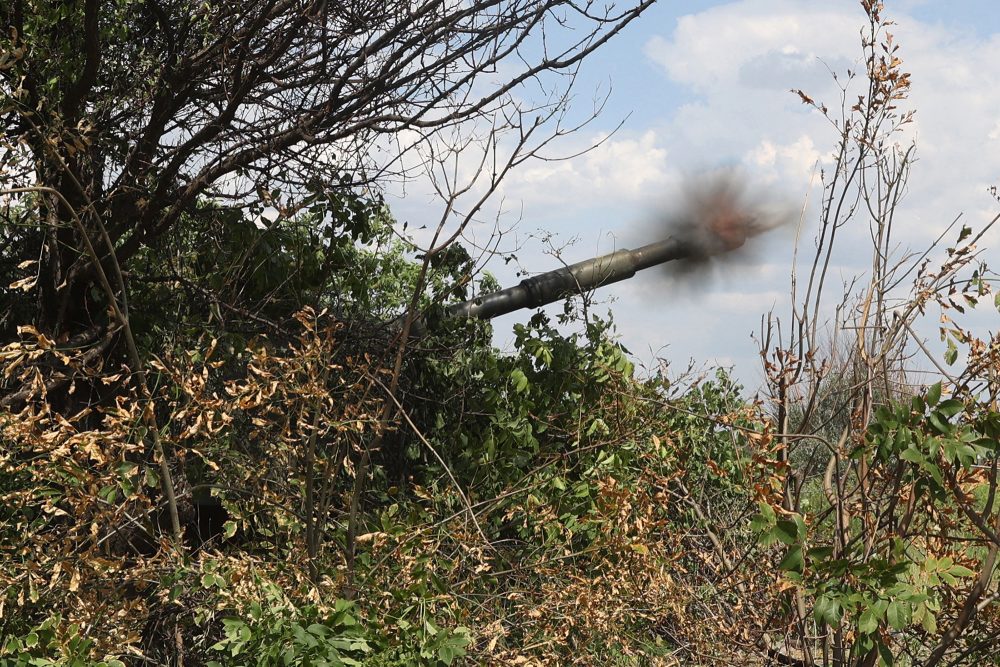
pixel 544 511
pixel 357 479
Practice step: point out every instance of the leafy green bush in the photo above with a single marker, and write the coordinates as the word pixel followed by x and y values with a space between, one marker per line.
pixel 273 637
pixel 52 644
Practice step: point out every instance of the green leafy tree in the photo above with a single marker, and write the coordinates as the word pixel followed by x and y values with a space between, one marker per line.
pixel 122 119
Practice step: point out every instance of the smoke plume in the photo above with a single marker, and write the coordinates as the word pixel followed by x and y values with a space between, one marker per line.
pixel 718 216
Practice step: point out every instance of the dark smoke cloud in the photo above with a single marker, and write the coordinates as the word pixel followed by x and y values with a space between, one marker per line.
pixel 719 215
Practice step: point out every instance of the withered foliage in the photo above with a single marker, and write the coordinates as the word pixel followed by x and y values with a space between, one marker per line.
pixel 272 436
pixel 83 518
pixel 886 515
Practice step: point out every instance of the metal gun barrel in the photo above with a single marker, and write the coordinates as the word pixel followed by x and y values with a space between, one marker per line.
pixel 576 278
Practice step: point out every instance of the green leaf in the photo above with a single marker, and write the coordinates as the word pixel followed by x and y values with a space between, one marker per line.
pixel 759 524
pixel 827 610
pixel 941 425
pixel 792 562
pixel 951 407
pixel 898 615
pixel 520 380
pixel 960 571
pixel 800 525
pixel 868 623
pixel 934 472
pixel 820 553
pixel 884 654
pixel 786 531
pixel 764 520
pixel 318 630
pixel 951 354
pixel 934 394
pixel 597 425
pixel 903 438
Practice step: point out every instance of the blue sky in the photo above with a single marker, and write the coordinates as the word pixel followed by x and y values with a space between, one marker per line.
pixel 701 85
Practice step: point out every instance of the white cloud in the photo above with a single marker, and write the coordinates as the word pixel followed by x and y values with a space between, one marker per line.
pixel 765 45
pixel 994 134
pixel 736 64
pixel 621 168
pixel 741 60
pixel 794 161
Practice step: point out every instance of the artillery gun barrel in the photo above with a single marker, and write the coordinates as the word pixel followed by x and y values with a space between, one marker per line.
pixel 714 220
pixel 578 278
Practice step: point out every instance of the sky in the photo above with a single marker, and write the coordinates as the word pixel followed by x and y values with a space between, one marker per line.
pixel 700 86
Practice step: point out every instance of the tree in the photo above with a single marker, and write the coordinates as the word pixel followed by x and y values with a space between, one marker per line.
pixel 883 502
pixel 232 155
pixel 121 119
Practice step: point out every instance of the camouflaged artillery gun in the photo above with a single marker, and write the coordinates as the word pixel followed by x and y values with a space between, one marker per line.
pixel 715 218
pixel 712 227
pixel 571 280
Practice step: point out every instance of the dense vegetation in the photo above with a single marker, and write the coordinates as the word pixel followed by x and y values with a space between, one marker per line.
pixel 220 444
